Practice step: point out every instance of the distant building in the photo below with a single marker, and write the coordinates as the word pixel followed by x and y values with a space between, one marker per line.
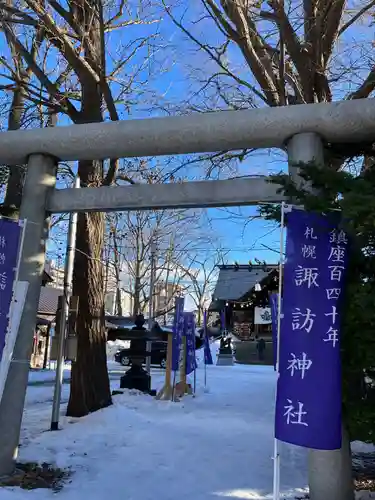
pixel 110 284
pixel 164 295
pixel 110 303
pixel 242 292
pixel 47 308
pixel 56 273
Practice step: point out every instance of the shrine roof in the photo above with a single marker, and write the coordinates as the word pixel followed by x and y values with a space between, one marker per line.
pixel 234 282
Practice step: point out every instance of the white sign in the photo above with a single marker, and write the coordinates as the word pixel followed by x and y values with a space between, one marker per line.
pixel 262 316
pixel 15 314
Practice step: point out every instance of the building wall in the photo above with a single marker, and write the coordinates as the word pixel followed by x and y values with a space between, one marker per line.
pixel 111 306
pixel 164 294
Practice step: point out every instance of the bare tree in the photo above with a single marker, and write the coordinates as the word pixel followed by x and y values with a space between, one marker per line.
pixel 176 234
pixel 278 53
pixel 170 277
pixel 113 269
pixel 129 255
pixel 290 49
pixel 79 85
pixel 20 113
pixel 202 274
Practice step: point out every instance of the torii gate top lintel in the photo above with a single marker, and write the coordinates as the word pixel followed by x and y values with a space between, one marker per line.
pixel 337 122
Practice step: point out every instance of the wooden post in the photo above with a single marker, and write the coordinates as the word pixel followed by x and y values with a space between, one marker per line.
pixel 166 392
pixel 182 387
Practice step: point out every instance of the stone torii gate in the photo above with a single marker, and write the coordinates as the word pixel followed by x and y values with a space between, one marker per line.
pixel 302 130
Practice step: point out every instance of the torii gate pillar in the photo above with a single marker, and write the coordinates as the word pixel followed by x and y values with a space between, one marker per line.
pixel 330 472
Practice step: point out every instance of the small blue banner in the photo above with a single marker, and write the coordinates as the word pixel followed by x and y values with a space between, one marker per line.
pixel 10 235
pixel 191 363
pixel 178 330
pixel 222 320
pixel 206 342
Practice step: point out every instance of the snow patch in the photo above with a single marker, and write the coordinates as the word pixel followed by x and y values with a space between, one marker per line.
pixel 360 447
pixel 114 346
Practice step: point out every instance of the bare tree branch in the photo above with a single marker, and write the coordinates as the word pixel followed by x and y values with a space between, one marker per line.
pixel 367 87
pixel 214 57
pixel 62 100
pixel 355 18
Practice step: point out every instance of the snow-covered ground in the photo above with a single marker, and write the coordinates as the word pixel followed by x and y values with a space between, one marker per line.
pixel 47 375
pixel 38 404
pixel 216 445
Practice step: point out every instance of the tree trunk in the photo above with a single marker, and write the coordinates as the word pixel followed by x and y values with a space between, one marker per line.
pixel 16 175
pixel 118 300
pixel 137 290
pixel 117 274
pixel 199 314
pixel 89 389
pixel 106 276
pixel 89 386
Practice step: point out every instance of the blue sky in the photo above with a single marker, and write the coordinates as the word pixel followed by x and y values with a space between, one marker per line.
pixel 243 239
pixel 175 73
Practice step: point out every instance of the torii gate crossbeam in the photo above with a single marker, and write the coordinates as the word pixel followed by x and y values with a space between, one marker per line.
pixel 338 122
pixel 201 194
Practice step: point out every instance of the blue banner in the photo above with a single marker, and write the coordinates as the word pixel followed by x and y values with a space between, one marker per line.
pixel 178 329
pixel 10 234
pixel 274 297
pixel 206 342
pixel 189 330
pixel 308 403
pixel 222 319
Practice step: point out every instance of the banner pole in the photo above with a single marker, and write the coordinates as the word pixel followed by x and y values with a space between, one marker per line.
pixel 65 311
pixel 205 339
pixel 276 451
pixel 174 384
pixel 151 311
pixel 183 378
pixel 205 375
